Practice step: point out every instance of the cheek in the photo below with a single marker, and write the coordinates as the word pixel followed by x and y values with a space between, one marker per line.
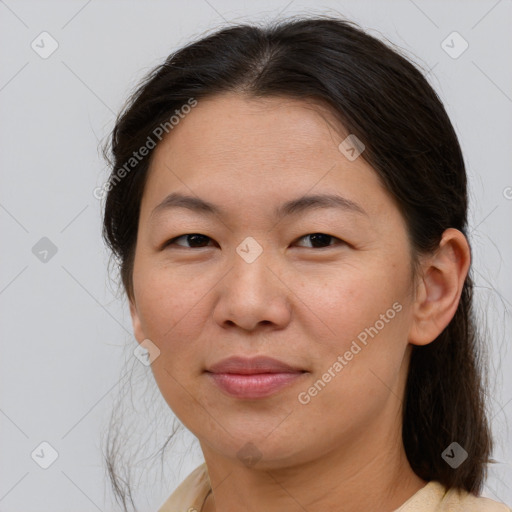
pixel 173 310
pixel 353 300
pixel 168 301
pixel 364 319
pixel 367 317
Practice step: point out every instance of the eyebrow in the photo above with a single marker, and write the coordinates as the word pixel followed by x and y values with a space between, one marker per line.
pixel 292 207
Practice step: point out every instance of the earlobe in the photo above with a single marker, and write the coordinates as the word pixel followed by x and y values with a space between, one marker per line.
pixel 439 287
pixel 137 327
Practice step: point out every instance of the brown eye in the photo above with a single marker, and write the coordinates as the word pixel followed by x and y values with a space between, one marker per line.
pixel 320 240
pixel 195 240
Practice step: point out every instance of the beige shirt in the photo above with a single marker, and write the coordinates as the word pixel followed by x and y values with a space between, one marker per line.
pixel 191 494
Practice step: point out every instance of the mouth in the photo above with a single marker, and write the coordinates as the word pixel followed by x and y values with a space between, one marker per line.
pixel 253 378
pixel 253 386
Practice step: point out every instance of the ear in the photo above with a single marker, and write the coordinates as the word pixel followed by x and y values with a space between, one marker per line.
pixel 137 326
pixel 439 287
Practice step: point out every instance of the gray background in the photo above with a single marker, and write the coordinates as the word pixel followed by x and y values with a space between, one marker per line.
pixel 65 335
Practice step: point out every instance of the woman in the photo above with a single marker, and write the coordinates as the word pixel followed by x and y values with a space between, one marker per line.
pixel 288 206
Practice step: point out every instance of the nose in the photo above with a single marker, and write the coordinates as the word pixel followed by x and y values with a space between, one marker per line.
pixel 253 294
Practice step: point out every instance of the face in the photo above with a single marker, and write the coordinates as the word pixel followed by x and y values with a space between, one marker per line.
pixel 321 285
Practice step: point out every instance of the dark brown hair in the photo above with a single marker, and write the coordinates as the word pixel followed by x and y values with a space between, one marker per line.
pixel 386 101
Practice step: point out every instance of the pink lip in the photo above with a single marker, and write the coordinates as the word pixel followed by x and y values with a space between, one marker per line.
pixel 252 378
pixel 253 386
pixel 252 365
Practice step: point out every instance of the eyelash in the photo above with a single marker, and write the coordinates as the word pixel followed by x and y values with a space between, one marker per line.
pixel 173 240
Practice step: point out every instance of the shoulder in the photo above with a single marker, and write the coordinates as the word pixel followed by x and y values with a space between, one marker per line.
pixel 190 494
pixel 458 500
pixel 434 497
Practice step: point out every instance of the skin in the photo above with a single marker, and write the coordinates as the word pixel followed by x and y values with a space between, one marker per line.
pixel 297 302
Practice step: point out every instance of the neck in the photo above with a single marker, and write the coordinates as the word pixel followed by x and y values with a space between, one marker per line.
pixel 346 481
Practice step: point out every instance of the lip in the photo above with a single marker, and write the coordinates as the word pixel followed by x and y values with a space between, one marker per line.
pixel 253 378
pixel 252 365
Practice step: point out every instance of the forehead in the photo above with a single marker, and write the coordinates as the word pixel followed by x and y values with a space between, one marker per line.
pixel 237 125
pixel 232 147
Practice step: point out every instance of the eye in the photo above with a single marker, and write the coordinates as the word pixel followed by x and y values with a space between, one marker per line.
pixel 196 240
pixel 320 240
